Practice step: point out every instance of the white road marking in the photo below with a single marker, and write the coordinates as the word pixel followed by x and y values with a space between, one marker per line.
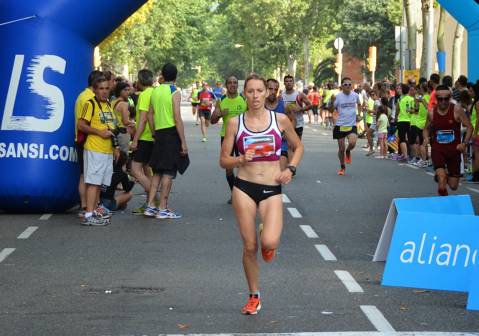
pixel 377 319
pixel 325 252
pixel 472 189
pixel 348 281
pixel 408 165
pixel 344 333
pixel 286 199
pixel 324 133
pixel 308 230
pixel 28 232
pixel 318 181
pixel 5 253
pixel 429 173
pixel 315 130
pixel 45 216
pixel 294 213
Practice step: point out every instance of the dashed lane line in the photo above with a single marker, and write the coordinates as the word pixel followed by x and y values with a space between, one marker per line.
pixel 295 213
pixel 5 253
pixel 28 232
pixel 286 199
pixel 308 231
pixel 377 319
pixel 429 173
pixel 472 189
pixel 348 281
pixel 45 217
pixel 325 252
pixel 408 165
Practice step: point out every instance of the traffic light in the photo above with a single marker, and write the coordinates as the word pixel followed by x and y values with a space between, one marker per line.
pixel 338 66
pixel 372 59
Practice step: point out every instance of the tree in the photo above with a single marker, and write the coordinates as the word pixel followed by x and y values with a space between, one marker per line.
pixel 456 51
pixel 440 34
pixel 411 32
pixel 427 25
pixel 368 23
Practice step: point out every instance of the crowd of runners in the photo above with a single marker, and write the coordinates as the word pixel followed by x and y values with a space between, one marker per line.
pixel 133 133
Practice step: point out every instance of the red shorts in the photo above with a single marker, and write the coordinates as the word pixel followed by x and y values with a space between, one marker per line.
pixel 447 157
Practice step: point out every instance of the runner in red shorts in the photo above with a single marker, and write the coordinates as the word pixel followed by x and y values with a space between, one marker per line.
pixel 444 127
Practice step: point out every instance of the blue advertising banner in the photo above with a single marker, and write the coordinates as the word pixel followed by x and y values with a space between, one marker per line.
pixel 458 205
pixel 434 251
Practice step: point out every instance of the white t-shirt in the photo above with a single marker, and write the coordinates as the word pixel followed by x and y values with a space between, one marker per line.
pixel 347 106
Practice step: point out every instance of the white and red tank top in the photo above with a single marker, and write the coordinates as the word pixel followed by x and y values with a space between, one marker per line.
pixel 266 144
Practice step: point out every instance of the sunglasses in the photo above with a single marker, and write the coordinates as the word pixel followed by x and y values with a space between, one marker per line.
pixel 443 98
pixel 347 84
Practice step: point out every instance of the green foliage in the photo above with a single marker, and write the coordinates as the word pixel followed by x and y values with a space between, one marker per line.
pixel 200 36
pixel 366 23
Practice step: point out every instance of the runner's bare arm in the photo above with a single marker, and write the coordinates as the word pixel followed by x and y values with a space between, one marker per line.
pixel 180 127
pixel 425 131
pixel 332 107
pixel 217 114
pixel 307 102
pixel 296 145
pixel 226 160
pixel 293 139
pixel 125 114
pixel 461 116
pixel 141 127
pixel 151 120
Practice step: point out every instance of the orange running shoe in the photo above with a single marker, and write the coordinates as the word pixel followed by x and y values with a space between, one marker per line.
pixel 347 158
pixel 341 172
pixel 268 255
pixel 253 306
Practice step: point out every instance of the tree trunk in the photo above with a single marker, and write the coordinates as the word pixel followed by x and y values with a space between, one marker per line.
pixel 411 33
pixel 292 66
pixel 440 34
pixel 426 55
pixel 306 60
pixel 456 51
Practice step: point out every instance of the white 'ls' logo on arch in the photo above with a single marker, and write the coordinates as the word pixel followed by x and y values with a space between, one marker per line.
pixel 54 96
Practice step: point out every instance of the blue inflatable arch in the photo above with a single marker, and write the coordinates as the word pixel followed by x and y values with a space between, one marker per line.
pixel 466 12
pixel 47 53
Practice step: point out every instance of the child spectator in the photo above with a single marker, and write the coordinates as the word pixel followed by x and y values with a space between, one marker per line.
pixel 382 127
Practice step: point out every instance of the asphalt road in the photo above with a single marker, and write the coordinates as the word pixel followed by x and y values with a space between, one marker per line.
pixel 143 276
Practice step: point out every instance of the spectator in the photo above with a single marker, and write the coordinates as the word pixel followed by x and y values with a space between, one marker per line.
pixel 98 121
pixel 121 107
pixel 164 116
pixel 109 198
pixel 80 137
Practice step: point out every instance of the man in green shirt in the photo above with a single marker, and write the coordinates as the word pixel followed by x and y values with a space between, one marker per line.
pixel 142 144
pixel 229 106
pixel 403 119
pixel 164 116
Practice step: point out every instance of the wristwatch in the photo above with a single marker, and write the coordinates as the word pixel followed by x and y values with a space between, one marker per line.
pixel 292 169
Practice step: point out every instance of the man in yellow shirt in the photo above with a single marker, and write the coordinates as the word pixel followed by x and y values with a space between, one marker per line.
pixel 82 98
pixel 99 121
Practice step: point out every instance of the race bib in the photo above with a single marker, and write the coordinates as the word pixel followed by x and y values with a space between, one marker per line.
pixel 263 145
pixel 445 137
pixel 345 128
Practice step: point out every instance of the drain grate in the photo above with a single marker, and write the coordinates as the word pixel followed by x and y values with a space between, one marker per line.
pixel 126 290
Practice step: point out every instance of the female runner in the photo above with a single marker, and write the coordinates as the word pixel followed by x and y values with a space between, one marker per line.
pixel 257 135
